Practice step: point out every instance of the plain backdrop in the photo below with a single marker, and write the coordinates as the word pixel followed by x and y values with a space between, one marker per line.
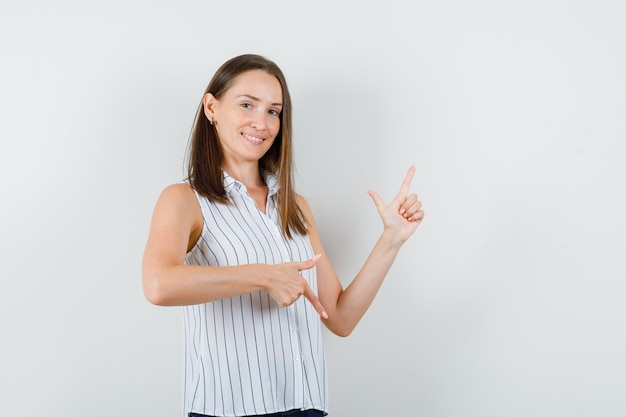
pixel 510 300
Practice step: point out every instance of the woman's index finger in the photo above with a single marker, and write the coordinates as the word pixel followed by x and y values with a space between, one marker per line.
pixel 406 184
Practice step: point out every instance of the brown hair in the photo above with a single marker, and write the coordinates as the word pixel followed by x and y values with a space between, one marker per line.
pixel 205 157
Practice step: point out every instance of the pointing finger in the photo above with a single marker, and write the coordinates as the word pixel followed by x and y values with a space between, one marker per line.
pixel 315 302
pixel 406 184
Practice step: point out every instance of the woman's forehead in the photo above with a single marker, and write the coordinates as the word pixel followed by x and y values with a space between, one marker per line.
pixel 257 84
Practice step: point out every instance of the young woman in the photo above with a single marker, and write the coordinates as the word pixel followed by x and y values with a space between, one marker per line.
pixel 239 249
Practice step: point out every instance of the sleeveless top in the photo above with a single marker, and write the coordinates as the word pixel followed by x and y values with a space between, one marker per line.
pixel 245 355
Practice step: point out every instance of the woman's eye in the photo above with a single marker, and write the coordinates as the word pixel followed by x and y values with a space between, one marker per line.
pixel 246 105
pixel 274 112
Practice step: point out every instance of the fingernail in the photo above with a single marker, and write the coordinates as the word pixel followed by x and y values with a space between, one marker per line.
pixel 324 314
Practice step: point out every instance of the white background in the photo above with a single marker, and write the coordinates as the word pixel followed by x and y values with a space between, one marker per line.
pixel 510 300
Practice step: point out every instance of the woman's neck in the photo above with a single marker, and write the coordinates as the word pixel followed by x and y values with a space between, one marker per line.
pixel 248 175
pixel 254 183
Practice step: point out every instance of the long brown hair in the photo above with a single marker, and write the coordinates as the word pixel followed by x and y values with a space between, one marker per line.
pixel 205 157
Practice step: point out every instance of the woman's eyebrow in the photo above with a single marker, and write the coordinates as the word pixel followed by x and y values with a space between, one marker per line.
pixel 253 98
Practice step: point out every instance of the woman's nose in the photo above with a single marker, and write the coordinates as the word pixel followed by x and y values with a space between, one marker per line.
pixel 258 121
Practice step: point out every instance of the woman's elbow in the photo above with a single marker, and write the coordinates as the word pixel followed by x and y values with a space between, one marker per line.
pixel 343 333
pixel 340 329
pixel 153 296
pixel 153 290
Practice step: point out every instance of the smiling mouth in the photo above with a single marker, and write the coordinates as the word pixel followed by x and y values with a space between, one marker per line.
pixel 252 138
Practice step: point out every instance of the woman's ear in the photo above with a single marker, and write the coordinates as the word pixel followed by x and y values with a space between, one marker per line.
pixel 208 102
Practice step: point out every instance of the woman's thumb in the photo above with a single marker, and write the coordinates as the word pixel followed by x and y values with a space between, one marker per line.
pixel 309 264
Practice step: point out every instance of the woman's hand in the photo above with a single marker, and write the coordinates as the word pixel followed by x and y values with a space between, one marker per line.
pixel 404 214
pixel 285 284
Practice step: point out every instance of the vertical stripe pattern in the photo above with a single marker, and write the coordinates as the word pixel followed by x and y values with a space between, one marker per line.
pixel 244 355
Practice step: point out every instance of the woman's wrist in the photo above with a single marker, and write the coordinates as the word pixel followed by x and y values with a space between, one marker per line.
pixel 391 240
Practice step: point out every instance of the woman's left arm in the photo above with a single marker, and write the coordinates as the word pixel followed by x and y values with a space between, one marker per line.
pixel 345 307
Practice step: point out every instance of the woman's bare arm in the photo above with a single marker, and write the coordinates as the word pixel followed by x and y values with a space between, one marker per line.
pixel 345 308
pixel 176 225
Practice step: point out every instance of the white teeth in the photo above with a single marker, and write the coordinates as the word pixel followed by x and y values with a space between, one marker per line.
pixel 252 138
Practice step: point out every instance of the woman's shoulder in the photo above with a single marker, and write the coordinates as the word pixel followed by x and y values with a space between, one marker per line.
pixel 179 195
pixel 302 202
pixel 180 189
pixel 304 206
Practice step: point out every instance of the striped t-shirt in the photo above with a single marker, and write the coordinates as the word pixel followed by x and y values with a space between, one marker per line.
pixel 244 355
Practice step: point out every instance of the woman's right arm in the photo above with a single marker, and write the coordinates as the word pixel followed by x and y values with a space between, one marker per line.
pixel 176 225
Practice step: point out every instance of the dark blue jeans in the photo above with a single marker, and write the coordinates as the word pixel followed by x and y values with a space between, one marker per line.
pixel 291 413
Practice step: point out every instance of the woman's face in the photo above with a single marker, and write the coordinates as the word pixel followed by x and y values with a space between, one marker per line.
pixel 247 117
